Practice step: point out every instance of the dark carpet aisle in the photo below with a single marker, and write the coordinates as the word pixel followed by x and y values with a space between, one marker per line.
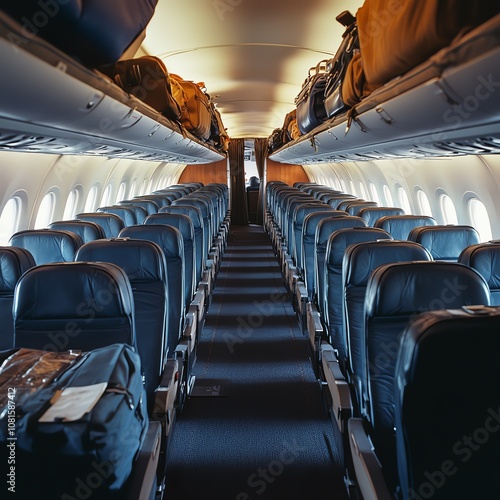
pixel 255 426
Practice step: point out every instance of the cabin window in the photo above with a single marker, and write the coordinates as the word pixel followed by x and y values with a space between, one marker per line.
pixel 106 196
pixel 143 187
pixel 133 187
pixel 9 220
pixel 351 189
pixel 423 203
pixel 45 211
pixel 362 191
pixel 448 210
pixel 480 219
pixel 121 191
pixel 388 196
pixel 90 203
pixel 71 204
pixel 404 202
pixel 374 193
pixel 343 186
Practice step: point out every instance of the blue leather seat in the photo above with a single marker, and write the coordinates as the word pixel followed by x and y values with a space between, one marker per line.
pixel 159 199
pixel 88 231
pixel 169 239
pixel 126 214
pixel 149 205
pixel 485 258
pixel 360 260
pixel 349 201
pixel 400 225
pixel 395 294
pixel 372 214
pixel 309 228
pixel 73 305
pixel 356 206
pixel 185 226
pixel 334 294
pixel 144 264
pixel 195 216
pixel 325 228
pixel 48 245
pixel 111 224
pixel 444 242
pixel 14 262
pixel 140 212
pixel 336 199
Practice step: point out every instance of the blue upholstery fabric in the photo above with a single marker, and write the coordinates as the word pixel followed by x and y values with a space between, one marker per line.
pixel 126 214
pixel 111 224
pixel 88 231
pixel 144 263
pixel 372 214
pixel 73 305
pixel 485 258
pixel 400 225
pixel 48 245
pixel 445 242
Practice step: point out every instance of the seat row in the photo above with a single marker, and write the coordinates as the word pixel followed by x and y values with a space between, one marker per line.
pixel 356 287
pixel 104 278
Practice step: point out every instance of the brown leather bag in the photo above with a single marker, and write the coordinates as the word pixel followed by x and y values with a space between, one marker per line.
pixel 396 36
pixel 196 115
pixel 147 79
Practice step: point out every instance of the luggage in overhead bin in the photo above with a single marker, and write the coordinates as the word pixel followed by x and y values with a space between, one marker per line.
pixel 93 31
pixel 196 115
pixel 396 36
pixel 72 422
pixel 146 78
pixel 310 104
pixel 290 127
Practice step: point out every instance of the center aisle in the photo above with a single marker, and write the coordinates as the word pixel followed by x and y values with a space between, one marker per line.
pixel 255 426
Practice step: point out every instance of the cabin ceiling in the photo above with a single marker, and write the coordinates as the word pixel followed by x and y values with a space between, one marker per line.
pixel 252 55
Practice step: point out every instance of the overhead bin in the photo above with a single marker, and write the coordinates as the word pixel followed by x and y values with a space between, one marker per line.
pixel 49 103
pixel 449 105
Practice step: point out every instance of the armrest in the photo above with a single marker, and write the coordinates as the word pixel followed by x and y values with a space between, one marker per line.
pixel 314 326
pixel 142 480
pixel 337 386
pixel 198 303
pixel 301 294
pixel 189 333
pixel 369 477
pixel 165 395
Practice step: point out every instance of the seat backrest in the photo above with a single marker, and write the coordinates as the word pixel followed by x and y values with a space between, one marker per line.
pixel 396 293
pixel 139 211
pixel 359 261
pixel 144 263
pixel 485 258
pixel 324 229
pixel 73 305
pixel 334 304
pixel 88 231
pixel 48 245
pixel 14 262
pixel 126 214
pixel 372 214
pixel 447 411
pixel 160 199
pixel 149 205
pixel 444 242
pixel 356 206
pixel 185 226
pixel 336 199
pixel 349 201
pixel 308 264
pixel 196 218
pixel 299 215
pixel 111 224
pixel 292 205
pixel 400 225
pixel 169 239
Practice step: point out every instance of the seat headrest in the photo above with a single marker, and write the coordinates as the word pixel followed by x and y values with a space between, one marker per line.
pixel 371 214
pixel 14 262
pixel 484 258
pixel 181 222
pixel 445 242
pixel 111 224
pixel 73 290
pixel 48 245
pixel 88 231
pixel 407 288
pixel 254 182
pixel 168 238
pixel 401 225
pixel 361 259
pixel 140 259
pixel 341 239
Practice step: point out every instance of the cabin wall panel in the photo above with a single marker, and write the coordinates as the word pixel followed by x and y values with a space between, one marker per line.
pixel 285 173
pixel 207 173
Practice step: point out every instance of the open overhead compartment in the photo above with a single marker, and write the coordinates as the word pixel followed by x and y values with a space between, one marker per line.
pixel 450 105
pixel 49 103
